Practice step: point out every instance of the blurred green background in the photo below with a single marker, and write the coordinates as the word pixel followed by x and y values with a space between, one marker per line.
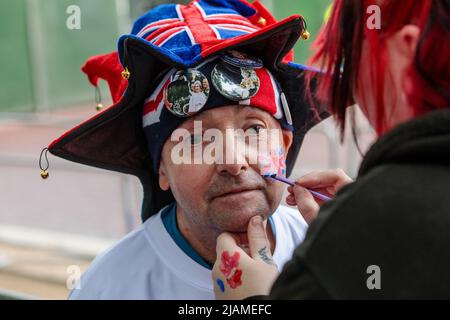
pixel 40 58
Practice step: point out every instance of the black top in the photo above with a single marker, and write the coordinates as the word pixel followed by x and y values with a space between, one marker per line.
pixel 395 216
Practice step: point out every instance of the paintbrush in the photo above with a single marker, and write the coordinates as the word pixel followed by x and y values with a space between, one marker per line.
pixel 316 194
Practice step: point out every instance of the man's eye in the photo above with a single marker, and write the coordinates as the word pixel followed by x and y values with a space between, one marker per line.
pixel 256 129
pixel 196 139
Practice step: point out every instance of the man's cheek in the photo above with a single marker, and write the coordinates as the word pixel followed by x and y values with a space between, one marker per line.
pixel 274 193
pixel 191 186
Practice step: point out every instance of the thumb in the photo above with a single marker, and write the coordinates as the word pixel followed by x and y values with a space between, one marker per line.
pixel 226 242
pixel 257 240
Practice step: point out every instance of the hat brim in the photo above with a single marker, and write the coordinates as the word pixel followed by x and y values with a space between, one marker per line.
pixel 114 139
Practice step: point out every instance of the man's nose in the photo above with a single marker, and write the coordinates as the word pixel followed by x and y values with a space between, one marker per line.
pixel 234 169
pixel 234 156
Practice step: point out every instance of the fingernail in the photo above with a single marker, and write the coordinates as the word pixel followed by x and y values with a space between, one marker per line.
pixel 257 221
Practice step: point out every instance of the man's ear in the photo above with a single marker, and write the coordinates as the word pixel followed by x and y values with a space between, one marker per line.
pixel 287 139
pixel 163 179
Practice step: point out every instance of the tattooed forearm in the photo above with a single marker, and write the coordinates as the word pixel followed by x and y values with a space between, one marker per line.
pixel 263 255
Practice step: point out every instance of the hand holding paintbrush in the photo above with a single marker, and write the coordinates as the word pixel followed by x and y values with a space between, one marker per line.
pixel 304 192
pixel 316 194
pixel 307 193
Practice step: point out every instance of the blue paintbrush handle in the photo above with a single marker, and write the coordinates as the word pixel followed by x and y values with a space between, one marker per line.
pixel 316 194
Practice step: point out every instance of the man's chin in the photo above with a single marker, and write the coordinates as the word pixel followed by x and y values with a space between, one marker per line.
pixel 235 219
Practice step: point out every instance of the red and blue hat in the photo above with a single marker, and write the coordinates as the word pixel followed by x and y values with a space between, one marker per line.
pixel 165 44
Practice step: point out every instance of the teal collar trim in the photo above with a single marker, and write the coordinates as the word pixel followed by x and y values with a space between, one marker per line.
pixel 169 218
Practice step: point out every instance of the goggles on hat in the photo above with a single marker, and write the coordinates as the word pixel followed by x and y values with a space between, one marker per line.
pixel 234 76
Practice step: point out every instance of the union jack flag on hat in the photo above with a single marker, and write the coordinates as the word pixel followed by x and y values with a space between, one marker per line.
pixel 190 33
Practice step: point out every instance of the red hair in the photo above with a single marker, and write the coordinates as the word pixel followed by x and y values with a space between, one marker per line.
pixel 339 51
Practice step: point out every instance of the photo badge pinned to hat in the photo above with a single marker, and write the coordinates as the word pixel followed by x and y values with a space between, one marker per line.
pixel 235 77
pixel 187 93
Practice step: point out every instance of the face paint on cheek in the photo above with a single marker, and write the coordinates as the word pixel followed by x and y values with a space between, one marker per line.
pixel 229 268
pixel 273 163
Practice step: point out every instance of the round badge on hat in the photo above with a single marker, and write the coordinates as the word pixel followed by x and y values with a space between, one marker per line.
pixel 187 93
pixel 235 83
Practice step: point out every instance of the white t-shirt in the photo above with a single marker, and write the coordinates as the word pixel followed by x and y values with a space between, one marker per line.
pixel 148 264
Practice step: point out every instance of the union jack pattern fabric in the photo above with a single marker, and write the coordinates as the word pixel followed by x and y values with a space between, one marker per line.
pixel 197 26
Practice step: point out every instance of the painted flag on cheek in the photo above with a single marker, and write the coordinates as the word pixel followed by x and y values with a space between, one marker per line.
pixel 273 163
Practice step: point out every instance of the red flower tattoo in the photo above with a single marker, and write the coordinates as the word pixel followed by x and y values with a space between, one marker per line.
pixel 229 262
pixel 235 280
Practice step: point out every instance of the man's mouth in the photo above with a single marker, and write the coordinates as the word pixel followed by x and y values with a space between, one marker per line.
pixel 243 191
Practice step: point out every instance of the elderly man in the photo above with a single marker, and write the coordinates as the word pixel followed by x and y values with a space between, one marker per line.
pixel 202 170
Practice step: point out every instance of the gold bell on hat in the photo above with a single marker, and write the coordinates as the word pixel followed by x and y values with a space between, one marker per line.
pixel 44 171
pixel 126 73
pixel 262 21
pixel 44 174
pixel 98 99
pixel 306 35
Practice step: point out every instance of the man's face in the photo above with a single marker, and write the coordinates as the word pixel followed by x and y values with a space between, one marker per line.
pixel 224 195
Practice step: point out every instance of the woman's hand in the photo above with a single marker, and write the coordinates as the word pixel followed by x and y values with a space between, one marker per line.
pixel 236 274
pixel 327 182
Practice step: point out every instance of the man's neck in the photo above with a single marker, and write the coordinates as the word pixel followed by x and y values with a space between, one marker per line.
pixel 204 241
